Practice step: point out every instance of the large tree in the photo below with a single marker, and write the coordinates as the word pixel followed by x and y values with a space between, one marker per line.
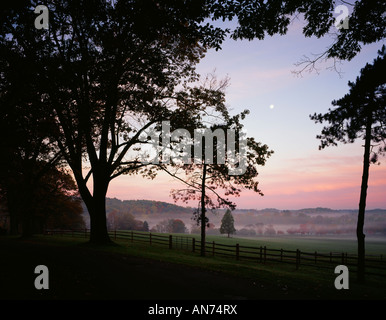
pixel 109 70
pixel 215 160
pixel 360 114
pixel 27 154
pixel 212 183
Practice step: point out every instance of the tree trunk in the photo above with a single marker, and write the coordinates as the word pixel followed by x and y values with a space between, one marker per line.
pixel 96 206
pixel 362 204
pixel 203 217
pixel 98 223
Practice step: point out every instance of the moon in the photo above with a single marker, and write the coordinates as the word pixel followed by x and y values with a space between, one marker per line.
pixel 271 106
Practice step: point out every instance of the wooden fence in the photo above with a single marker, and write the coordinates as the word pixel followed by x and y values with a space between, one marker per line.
pixel 375 264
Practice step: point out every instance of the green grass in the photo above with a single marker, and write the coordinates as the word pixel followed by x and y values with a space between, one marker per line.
pixel 307 244
pixel 267 274
pixel 317 281
pixel 374 246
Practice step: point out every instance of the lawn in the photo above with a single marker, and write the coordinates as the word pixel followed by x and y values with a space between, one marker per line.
pixel 81 270
pixel 374 246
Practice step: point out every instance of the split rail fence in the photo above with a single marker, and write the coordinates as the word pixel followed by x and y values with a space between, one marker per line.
pixel 375 264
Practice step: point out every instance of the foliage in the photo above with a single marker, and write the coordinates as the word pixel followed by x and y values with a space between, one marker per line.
pixel 106 71
pixel 360 114
pixel 52 202
pixel 205 179
pixel 366 98
pixel 170 226
pixel 57 203
pixel 258 19
pixel 144 207
pixel 125 221
pixel 27 153
pixel 227 223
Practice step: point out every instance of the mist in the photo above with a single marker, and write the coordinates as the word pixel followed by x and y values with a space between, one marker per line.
pixel 248 222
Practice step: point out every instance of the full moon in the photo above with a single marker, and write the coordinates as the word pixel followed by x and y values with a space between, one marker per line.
pixel 271 106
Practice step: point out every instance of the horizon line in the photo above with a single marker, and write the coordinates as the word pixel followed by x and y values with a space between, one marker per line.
pixel 266 208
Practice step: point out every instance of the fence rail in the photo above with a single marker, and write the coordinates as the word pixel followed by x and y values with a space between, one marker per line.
pixel 375 264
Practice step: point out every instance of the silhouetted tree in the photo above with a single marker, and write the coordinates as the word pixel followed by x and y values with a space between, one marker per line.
pixel 258 19
pixel 107 71
pixel 227 223
pixel 177 226
pixel 26 152
pixel 56 202
pixel 49 201
pixel 206 173
pixel 145 226
pixel 360 114
pixel 27 157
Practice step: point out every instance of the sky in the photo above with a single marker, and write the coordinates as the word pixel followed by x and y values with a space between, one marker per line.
pixel 297 175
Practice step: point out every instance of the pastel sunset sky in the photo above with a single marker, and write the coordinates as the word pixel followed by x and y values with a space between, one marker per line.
pixel 298 175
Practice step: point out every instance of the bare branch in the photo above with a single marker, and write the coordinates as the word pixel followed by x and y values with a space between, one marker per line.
pixel 309 64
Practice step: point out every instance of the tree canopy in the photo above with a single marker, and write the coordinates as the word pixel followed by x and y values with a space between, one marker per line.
pixel 104 72
pixel 366 98
pixel 227 223
pixel 259 19
pixel 361 113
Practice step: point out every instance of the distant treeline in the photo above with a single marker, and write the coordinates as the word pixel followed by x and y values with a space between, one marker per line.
pixel 140 207
pixel 157 216
pixel 143 207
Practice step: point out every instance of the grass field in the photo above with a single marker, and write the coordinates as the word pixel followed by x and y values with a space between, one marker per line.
pixel 375 246
pixel 271 280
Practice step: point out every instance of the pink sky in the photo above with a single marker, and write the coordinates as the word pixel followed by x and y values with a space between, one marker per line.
pixel 321 182
pixel 298 175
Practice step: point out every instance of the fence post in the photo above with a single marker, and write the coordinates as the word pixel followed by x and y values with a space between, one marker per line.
pixel 342 258
pixel 281 255
pixel 85 232
pixel 170 242
pixel 193 244
pixel 115 234
pixel 297 258
pixel 150 238
pixel 261 254
pixel 132 238
pixel 213 248
pixel 237 251
pixel 265 254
